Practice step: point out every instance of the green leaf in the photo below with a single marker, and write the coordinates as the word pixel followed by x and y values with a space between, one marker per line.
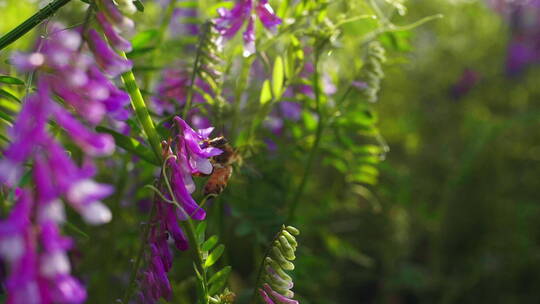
pixel 278 76
pixel 6 117
pixel 218 280
pixel 140 51
pixel 10 80
pixel 138 4
pixel 131 145
pixel 210 243
pixel 7 95
pixel 214 256
pixel 266 94
pixel 199 232
pixel 143 39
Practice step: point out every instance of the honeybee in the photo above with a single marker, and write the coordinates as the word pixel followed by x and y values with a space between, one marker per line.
pixel 222 164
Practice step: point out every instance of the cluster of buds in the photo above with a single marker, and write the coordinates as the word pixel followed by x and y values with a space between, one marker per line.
pixel 276 283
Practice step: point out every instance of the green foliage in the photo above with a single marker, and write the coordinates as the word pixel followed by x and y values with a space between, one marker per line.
pixel 211 252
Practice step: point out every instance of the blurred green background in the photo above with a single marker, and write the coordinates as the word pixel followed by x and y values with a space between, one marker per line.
pixel 454 217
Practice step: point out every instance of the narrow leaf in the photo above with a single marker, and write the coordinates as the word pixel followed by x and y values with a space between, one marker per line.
pixel 214 256
pixel 199 232
pixel 266 95
pixel 6 117
pixel 218 280
pixel 138 4
pixel 143 39
pixel 210 243
pixel 131 145
pixel 10 80
pixel 7 95
pixel 278 77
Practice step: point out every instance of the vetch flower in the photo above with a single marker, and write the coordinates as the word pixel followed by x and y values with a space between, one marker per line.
pixel 189 154
pixel 231 21
pixel 42 277
pixel 35 252
pixel 112 33
pixel 107 59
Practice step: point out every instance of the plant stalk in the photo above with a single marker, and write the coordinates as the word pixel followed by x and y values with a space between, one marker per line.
pixel 313 151
pixel 189 98
pixel 160 36
pixel 141 110
pixel 31 22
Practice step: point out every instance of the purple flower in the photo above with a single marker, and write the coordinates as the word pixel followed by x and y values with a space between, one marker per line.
pixel 172 93
pixel 83 193
pixel 108 60
pixel 92 143
pixel 32 247
pixel 519 56
pixel 231 21
pixel 155 281
pixel 55 267
pixel 183 22
pixel 74 77
pixel 189 154
pixel 274 123
pixel 113 34
pixel 266 15
pixel 196 153
pixel 43 278
pixel 468 79
pixel 290 110
pixel 270 296
pixel 117 18
pixel 27 130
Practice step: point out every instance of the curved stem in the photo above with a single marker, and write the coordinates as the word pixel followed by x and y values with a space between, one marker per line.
pixel 31 22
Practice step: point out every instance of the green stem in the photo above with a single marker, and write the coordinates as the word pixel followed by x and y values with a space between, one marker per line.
pixel 160 36
pixel 318 134
pixel 141 110
pixel 31 22
pixel 189 99
pixel 189 229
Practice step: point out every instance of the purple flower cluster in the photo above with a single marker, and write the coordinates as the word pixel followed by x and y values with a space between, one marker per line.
pixel 524 46
pixel 37 277
pixel 186 156
pixel 172 93
pixel 231 21
pixel 30 241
